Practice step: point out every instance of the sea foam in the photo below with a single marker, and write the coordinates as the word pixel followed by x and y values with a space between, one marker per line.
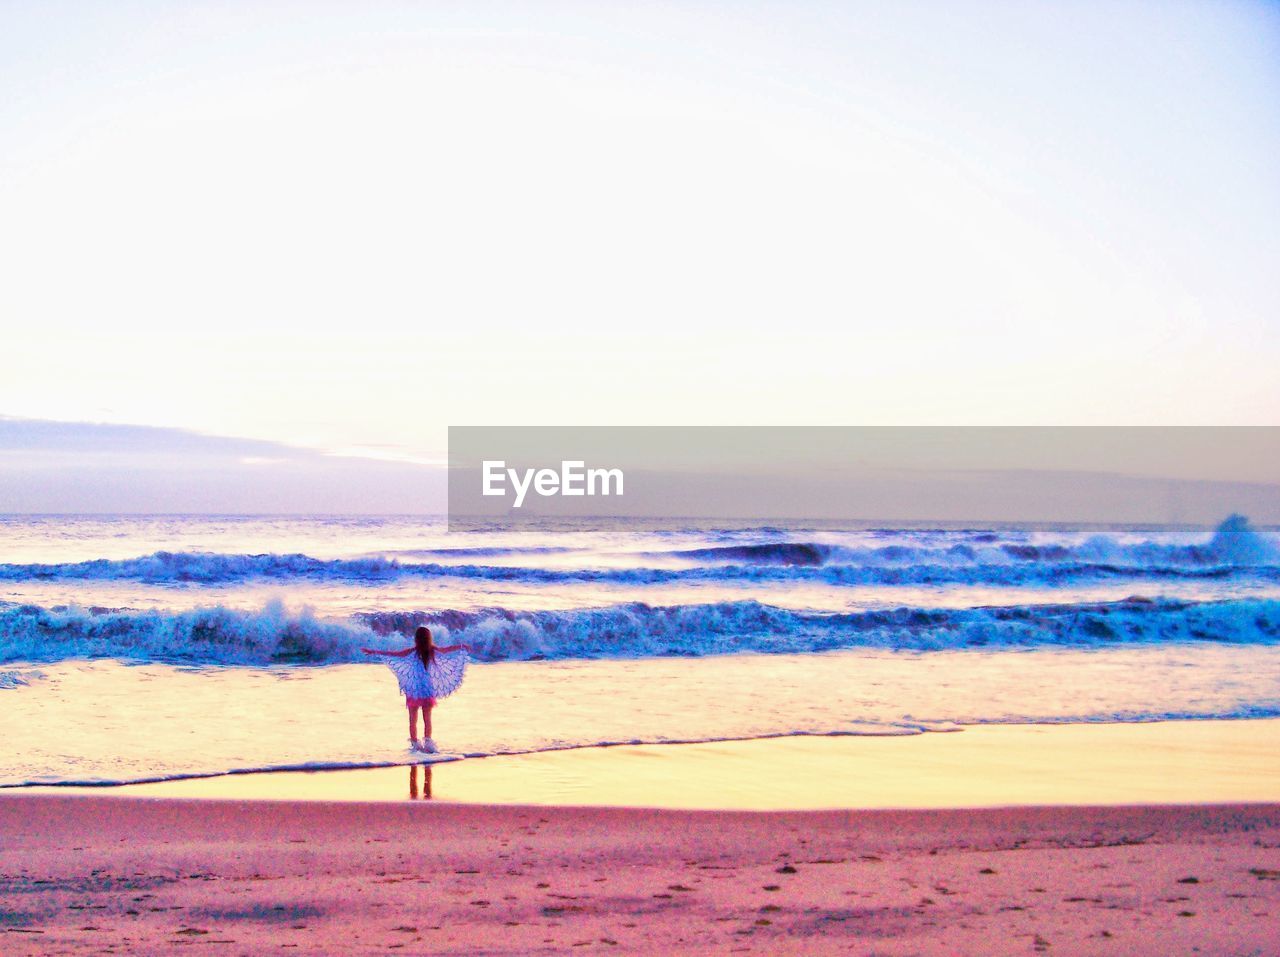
pixel 276 635
pixel 1234 549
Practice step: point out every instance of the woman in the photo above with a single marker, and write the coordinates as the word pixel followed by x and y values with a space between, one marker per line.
pixel 425 673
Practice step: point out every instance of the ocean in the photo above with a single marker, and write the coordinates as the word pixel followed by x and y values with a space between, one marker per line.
pixel 137 648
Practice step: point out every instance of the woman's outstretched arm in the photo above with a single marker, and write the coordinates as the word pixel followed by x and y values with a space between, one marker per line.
pixel 447 648
pixel 390 654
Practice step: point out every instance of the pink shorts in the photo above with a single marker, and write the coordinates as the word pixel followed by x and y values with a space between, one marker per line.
pixel 419 702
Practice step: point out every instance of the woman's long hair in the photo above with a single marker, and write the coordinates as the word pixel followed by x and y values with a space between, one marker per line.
pixel 423 645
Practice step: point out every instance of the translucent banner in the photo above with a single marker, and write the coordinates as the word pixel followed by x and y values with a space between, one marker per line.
pixel 1192 475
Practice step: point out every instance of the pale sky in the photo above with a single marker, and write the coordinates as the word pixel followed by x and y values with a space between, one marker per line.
pixel 347 226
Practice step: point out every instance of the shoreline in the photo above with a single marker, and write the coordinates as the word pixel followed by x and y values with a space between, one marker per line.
pixel 1136 839
pixel 1167 762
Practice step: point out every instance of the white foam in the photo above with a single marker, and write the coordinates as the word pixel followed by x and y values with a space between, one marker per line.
pixel 275 634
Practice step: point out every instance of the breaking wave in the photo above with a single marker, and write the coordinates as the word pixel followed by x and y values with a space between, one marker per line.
pixel 1235 548
pixel 276 635
pixel 1234 544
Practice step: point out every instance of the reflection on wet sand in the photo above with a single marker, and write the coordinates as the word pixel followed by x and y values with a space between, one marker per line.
pixel 414 770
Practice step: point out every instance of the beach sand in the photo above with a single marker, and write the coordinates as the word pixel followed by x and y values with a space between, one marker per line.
pixel 103 871
pixel 95 875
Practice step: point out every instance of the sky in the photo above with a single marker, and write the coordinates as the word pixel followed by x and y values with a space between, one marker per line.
pixel 343 227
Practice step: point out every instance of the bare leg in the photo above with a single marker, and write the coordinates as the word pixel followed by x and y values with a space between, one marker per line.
pixel 413 722
pixel 426 720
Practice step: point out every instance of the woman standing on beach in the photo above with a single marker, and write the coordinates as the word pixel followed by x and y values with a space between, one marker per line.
pixel 425 672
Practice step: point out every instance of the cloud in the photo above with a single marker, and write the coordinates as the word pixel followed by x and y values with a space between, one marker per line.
pixel 43 435
pixel 88 467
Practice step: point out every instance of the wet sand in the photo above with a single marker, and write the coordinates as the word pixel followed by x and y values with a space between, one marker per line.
pixel 1167 762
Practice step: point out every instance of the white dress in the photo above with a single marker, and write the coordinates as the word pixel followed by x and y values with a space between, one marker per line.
pixel 443 678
